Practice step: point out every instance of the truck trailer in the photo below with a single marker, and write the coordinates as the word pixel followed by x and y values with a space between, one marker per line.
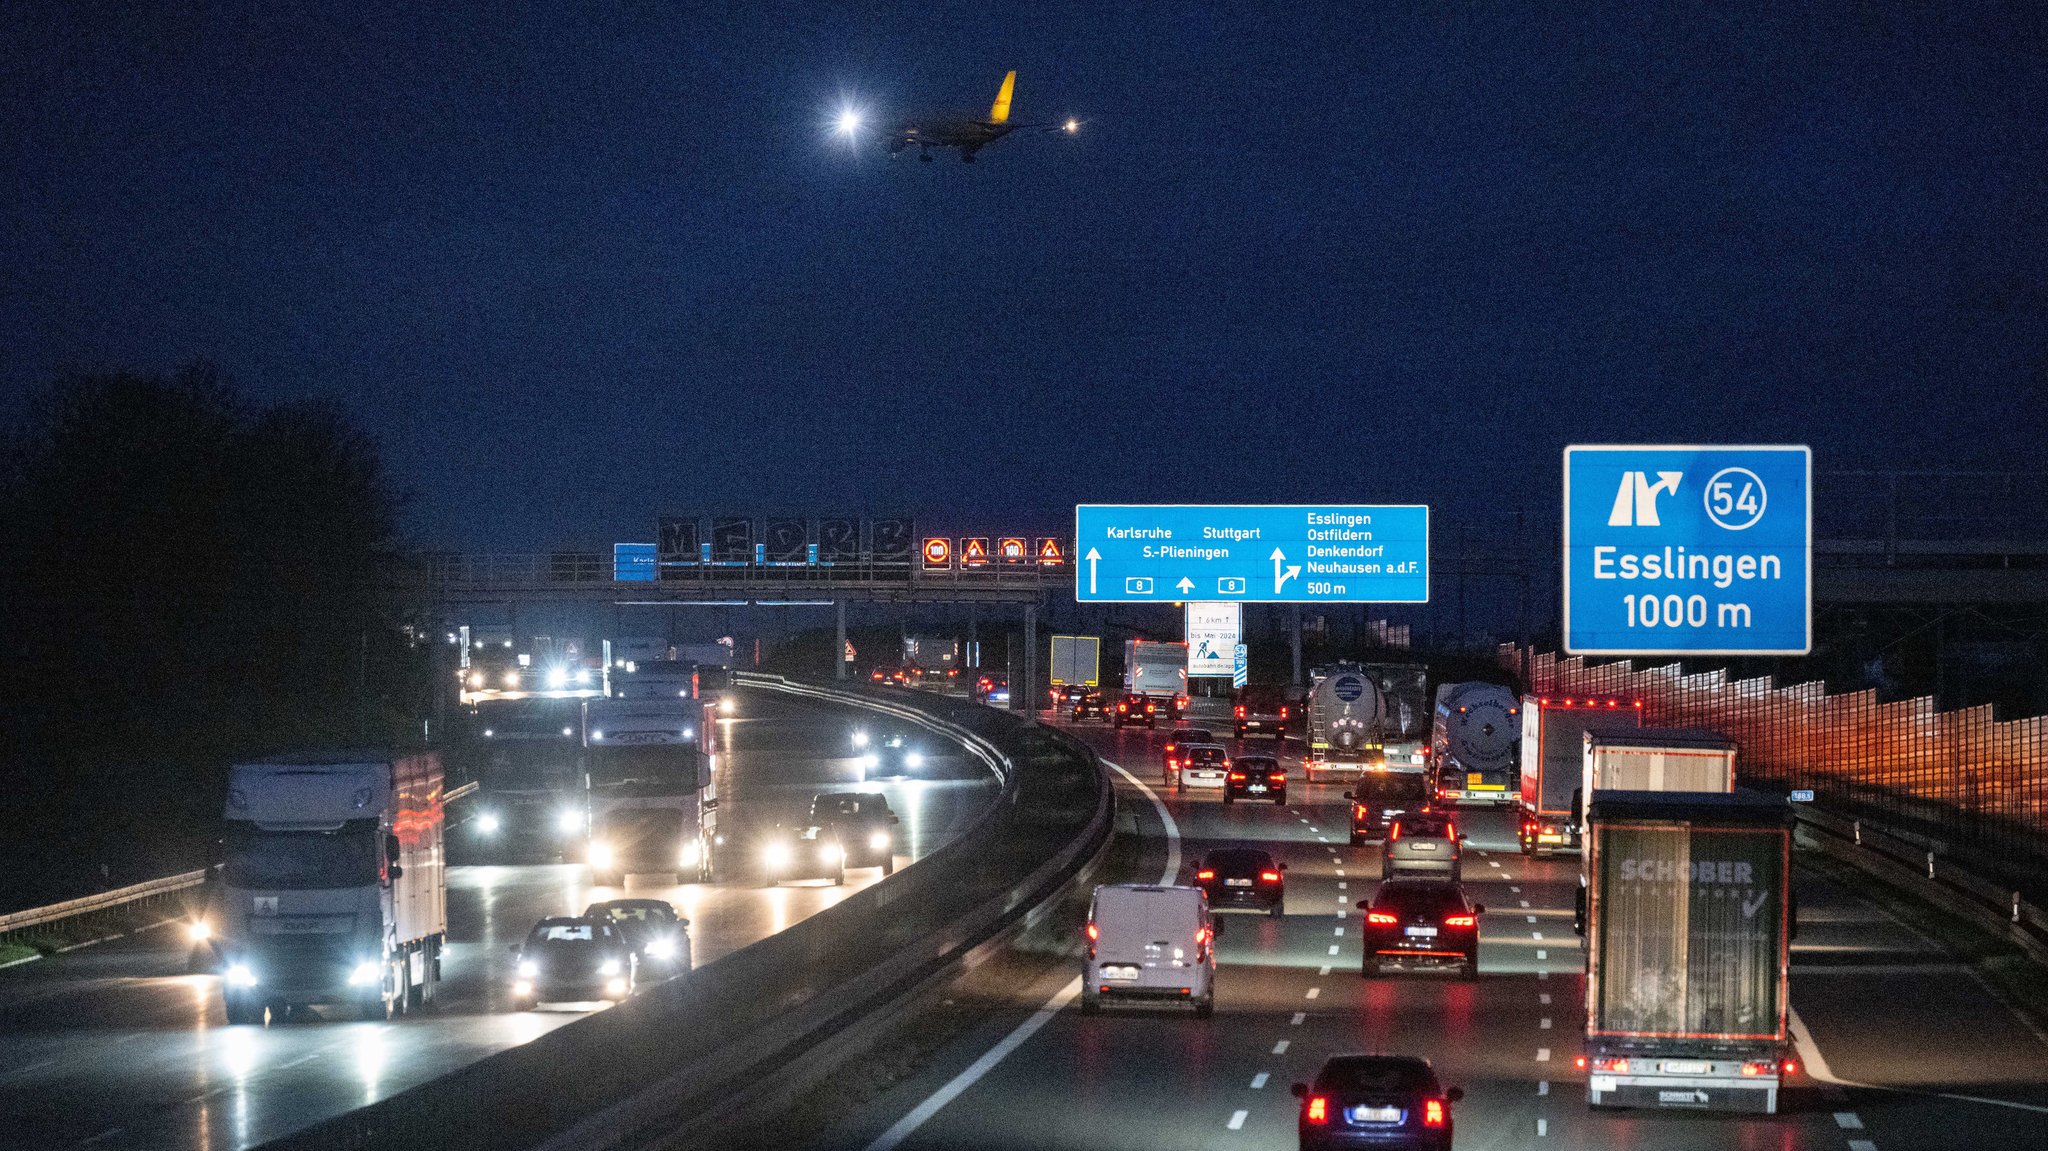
pixel 1553 763
pixel 1657 759
pixel 1687 913
pixel 1076 661
pixel 1474 742
pixel 333 886
pixel 1157 671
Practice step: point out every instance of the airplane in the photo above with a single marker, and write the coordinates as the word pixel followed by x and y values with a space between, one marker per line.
pixel 970 136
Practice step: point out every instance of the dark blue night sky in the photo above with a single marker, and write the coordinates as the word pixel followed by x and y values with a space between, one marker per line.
pixel 577 268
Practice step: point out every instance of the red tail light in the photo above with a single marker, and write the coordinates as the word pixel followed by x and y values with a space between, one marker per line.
pixel 1432 1112
pixel 1237 777
pixel 1283 713
pixel 1383 918
pixel 1269 876
pixel 1358 811
pixel 1240 711
pixel 1318 1110
pixel 1611 1065
pixel 1396 833
pixel 1151 707
pixel 1461 921
pixel 1123 707
pixel 1791 1066
pixel 1276 777
pixel 1205 873
pixel 1756 1070
pixel 1093 934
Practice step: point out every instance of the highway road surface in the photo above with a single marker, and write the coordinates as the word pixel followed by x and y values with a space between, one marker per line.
pixel 1905 1048
pixel 116 1046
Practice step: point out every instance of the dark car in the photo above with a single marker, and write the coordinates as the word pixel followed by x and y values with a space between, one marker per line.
pixel 659 937
pixel 1176 750
pixel 1093 705
pixel 990 689
pixel 1261 709
pixel 1422 843
pixel 1377 1101
pixel 1132 709
pixel 887 755
pixel 1065 696
pixel 863 824
pixel 1242 879
pixel 572 959
pixel 1379 796
pixel 812 852
pixel 1255 777
pixel 1421 923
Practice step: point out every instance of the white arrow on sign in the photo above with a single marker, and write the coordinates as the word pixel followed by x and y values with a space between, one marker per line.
pixel 1185 585
pixel 1094 557
pixel 1280 577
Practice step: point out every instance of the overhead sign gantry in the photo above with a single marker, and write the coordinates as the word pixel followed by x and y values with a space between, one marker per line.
pixel 1251 553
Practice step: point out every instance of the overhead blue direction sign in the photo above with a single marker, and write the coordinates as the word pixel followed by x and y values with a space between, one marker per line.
pixel 1688 550
pixel 1251 553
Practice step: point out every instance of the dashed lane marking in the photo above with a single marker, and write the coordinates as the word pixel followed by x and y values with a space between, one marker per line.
pixel 1541 954
pixel 1280 1048
pixel 1848 1121
pixel 1543 1055
pixel 1299 1016
pixel 1544 1025
pixel 1325 968
pixel 1313 992
pixel 1333 949
pixel 1237 1119
pixel 1543 1087
pixel 1543 1127
pixel 1862 1145
pixel 1544 998
pixel 1259 1081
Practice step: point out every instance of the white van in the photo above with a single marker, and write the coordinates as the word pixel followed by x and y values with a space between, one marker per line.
pixel 1149 942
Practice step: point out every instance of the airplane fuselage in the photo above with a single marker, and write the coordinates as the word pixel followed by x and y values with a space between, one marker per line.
pixel 968 135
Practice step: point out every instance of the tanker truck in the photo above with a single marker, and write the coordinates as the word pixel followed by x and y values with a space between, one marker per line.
pixel 1474 742
pixel 1345 714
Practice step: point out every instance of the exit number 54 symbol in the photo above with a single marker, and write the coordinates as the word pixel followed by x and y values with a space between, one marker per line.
pixel 1735 498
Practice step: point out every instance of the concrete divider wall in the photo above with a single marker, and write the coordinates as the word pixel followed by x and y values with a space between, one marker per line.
pixel 684 1047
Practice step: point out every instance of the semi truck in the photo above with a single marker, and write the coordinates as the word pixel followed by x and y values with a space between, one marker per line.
pixel 1076 661
pixel 1346 714
pixel 1404 728
pixel 653 801
pixel 333 888
pixel 1475 738
pixel 1657 759
pixel 1553 763
pixel 522 754
pixel 1159 671
pixel 1687 913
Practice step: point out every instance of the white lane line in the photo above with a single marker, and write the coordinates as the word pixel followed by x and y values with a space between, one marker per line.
pixel 1543 1055
pixel 1532 919
pixel 1259 1081
pixel 1517 891
pixel 1505 875
pixel 1313 992
pixel 1340 931
pixel 1325 968
pixel 1536 934
pixel 1523 902
pixel 1343 899
pixel 1341 885
pixel 919 1115
pixel 109 1133
pixel 306 1058
pixel 1542 954
pixel 1280 1048
pixel 1493 863
pixel 1544 1025
pixel 1237 1119
pixel 1848 1121
pixel 1544 998
pixel 1299 1016
pixel 1333 951
pixel 1543 1087
pixel 1862 1145
pixel 1543 1127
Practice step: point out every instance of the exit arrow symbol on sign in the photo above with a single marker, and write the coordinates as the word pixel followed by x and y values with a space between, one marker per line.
pixel 1280 576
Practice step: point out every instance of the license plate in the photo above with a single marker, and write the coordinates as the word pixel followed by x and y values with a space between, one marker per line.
pixel 1687 1067
pixel 1375 1115
pixel 1256 788
pixel 1422 932
pixel 1489 787
pixel 1550 839
pixel 1237 883
pixel 1122 971
pixel 1422 847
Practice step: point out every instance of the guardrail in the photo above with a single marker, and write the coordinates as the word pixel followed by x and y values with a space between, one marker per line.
pixel 119 900
pixel 1909 864
pixel 669 1061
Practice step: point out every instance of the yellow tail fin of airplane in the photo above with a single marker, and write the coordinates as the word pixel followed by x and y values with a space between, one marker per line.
pixel 1000 113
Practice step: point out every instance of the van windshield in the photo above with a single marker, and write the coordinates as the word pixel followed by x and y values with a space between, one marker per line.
pixel 301 860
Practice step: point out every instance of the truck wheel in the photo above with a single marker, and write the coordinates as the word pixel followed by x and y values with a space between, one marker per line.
pixel 839 876
pixel 889 864
pixel 1276 910
pixel 1280 800
pixel 1091 1003
pixel 1469 971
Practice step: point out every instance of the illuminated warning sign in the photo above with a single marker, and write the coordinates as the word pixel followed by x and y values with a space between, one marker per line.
pixel 1049 553
pixel 938 552
pixel 974 552
pixel 1012 550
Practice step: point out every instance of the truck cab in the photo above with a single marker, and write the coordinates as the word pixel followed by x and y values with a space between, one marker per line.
pixel 653 800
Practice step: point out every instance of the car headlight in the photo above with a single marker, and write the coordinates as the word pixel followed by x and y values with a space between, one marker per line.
pixel 365 973
pixel 569 822
pixel 528 969
pixel 239 975
pixel 597 736
pixel 521 988
pixel 582 675
pixel 878 841
pixel 829 852
pixel 557 678
pixel 860 739
pixel 476 679
pixel 691 853
pixel 913 759
pixel 662 948
pixel 608 967
pixel 726 706
pixel 601 855
pixel 487 823
pixel 777 855
pixel 615 988
pixel 199 931
pixel 870 761
pixel 511 679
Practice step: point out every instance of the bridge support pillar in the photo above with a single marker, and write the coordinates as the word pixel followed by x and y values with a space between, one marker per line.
pixel 1294 639
pixel 839 646
pixel 1026 700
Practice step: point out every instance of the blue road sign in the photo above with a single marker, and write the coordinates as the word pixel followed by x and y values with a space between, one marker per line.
pixel 1698 550
pixel 1274 553
pixel 1240 666
pixel 632 563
